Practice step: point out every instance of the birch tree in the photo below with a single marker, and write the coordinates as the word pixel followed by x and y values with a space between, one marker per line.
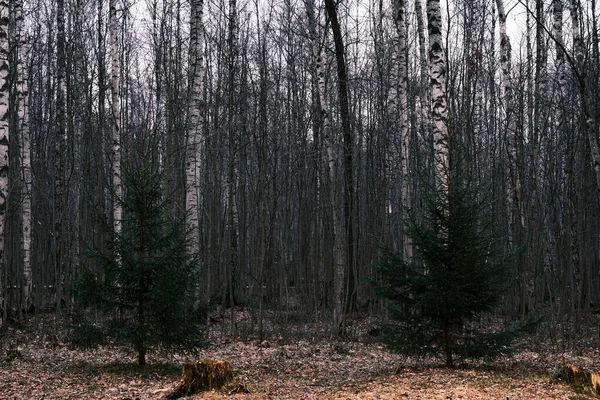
pixel 541 95
pixel 399 95
pixel 332 160
pixel 439 106
pixel 584 87
pixel 4 134
pixel 117 210
pixel 424 94
pixel 557 30
pixel 578 47
pixel 474 21
pixel 515 194
pixel 25 136
pixel 195 126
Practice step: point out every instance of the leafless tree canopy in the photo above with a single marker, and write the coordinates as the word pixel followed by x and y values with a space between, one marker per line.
pixel 295 135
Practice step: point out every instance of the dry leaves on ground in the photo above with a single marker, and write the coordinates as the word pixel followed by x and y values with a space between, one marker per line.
pixel 272 370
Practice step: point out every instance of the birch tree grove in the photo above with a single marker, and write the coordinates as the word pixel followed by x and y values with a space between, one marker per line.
pixel 294 140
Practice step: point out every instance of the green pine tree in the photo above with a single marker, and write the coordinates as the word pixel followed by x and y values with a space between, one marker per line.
pixel 456 274
pixel 144 280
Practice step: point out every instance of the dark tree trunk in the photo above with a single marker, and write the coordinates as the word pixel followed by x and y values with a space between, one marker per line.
pixel 348 144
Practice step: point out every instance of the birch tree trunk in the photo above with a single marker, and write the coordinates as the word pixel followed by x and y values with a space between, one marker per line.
pixel 439 106
pixel 578 47
pixel 515 194
pixel 192 168
pixel 117 210
pixel 586 97
pixel 424 94
pixel 405 159
pixel 4 132
pixel 399 100
pixel 557 30
pixel 23 123
pixel 423 52
pixel 332 161
pixel 541 80
pixel 560 127
pixel 101 121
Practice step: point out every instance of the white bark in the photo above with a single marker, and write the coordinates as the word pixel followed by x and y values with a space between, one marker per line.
pixel 541 79
pixel 515 195
pixel 557 28
pixel 399 96
pixel 332 163
pixel 578 49
pixel 192 168
pixel 424 98
pixel 23 114
pixel 474 58
pixel 116 118
pixel 540 109
pixel 439 107
pixel 586 95
pixel 4 131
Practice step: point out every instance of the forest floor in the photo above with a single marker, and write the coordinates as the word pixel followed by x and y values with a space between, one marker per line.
pixel 311 368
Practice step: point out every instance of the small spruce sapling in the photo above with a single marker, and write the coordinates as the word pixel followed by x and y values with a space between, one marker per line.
pixel 456 274
pixel 144 280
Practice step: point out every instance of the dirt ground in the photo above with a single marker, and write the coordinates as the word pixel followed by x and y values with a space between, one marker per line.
pixel 316 368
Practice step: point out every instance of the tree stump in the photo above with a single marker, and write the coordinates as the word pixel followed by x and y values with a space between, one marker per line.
pixel 203 376
pixel 581 378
